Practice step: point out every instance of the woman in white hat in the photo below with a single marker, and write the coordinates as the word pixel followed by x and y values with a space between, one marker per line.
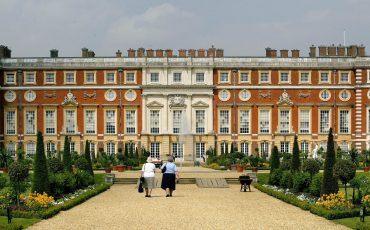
pixel 147 172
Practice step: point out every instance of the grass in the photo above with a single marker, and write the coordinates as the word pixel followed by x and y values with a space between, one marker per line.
pixel 17 221
pixel 352 222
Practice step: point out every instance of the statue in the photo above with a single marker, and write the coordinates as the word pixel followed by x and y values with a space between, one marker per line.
pixel 314 152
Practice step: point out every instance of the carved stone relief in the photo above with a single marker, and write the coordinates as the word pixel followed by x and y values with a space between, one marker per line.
pixel 50 94
pixel 302 94
pixel 70 99
pixel 176 101
pixel 264 95
pixel 89 95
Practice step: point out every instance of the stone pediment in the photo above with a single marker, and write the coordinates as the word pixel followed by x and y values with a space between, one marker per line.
pixel 70 99
pixel 154 104
pixel 284 99
pixel 200 104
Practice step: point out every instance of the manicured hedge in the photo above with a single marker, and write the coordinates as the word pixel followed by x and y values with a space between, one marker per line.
pixel 47 213
pixel 320 211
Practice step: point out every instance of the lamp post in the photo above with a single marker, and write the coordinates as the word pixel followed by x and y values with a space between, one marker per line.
pixel 234 134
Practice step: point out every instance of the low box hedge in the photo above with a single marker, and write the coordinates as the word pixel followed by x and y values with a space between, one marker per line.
pixel 53 210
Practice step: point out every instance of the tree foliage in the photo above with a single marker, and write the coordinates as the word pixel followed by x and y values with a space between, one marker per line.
pixel 40 168
pixel 67 158
pixel 330 182
pixel 312 166
pixel 275 159
pixel 345 170
pixel 296 162
pixel 18 174
pixel 88 158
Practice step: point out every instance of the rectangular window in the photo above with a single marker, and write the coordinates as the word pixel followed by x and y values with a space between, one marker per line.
pixel 30 149
pixel 89 77
pixel 110 78
pixel 90 121
pixel 304 77
pixel 344 147
pixel 110 121
pixel 264 118
pixel 199 121
pixel 224 121
pixel 284 147
pixel 30 122
pixel 244 121
pixel 10 149
pixel 92 149
pixel 244 148
pixel 304 147
pixel 324 77
pixel 50 148
pixel 177 150
pixel 264 77
pixel 29 78
pixel 72 147
pixel 224 77
pixel 130 77
pixel 224 148
pixel 244 77
pixel 284 121
pixel 70 121
pixel 154 77
pixel 344 121
pixel 10 78
pixel 50 122
pixel 199 77
pixel 70 78
pixel 344 77
pixel 10 122
pixel 177 117
pixel 154 121
pixel 324 146
pixel 284 77
pixel 264 149
pixel 130 121
pixel 111 149
pixel 177 77
pixel 200 150
pixel 49 78
pixel 155 150
pixel 304 121
pixel 324 121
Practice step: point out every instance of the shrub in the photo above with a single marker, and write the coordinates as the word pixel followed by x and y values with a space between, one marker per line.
pixel 334 201
pixel 55 165
pixel 315 185
pixel 296 162
pixel 18 173
pixel 83 179
pixel 37 201
pixel 345 170
pixel 40 168
pixel 311 166
pixel 330 182
pixel 56 184
pixel 301 182
pixel 275 177
pixel 88 158
pixel 211 160
pixel 82 164
pixel 67 158
pixel 366 200
pixel 285 165
pixel 3 181
pixel 275 159
pixel 286 179
pixel 214 166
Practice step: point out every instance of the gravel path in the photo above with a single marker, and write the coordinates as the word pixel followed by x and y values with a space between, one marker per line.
pixel 122 207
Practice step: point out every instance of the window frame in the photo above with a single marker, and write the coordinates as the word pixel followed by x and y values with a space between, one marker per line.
pixel 65 77
pixel 6 129
pixel 152 121
pixel 86 74
pixel 288 81
pixel 106 74
pixel 46 76
pixel 259 120
pixel 248 121
pixel 280 110
pixel 196 77
pixel 340 77
pixel 262 72
pixel 126 73
pixel 127 127
pixel 74 120
pixel 151 79
pixel 200 120
pixel 245 72
pixel 175 74
pixel 308 77
pixel 46 120
pixel 25 75
pixel 115 121
pixel 25 122
pixel 220 81
pixel 319 118
pixel 329 77
pixel 6 82
pixel 228 122
pixel 86 131
pixel 300 121
pixel 348 121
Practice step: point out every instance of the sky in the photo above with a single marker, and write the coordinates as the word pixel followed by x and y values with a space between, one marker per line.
pixel 241 27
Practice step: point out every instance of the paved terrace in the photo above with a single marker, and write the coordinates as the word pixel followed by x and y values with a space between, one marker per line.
pixel 122 207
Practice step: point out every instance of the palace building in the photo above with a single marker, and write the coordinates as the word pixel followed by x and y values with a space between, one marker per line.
pixel 187 103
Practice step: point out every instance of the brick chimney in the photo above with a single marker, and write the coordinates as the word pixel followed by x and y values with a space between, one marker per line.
pixel 361 51
pixel 295 53
pixel 131 52
pixel 182 53
pixel 268 52
pixel 219 53
pixel 312 51
pixel 169 52
pixel 211 52
pixel 332 51
pixel 341 50
pixel 353 50
pixel 5 52
pixel 90 54
pixel 201 53
pixel 85 52
pixel 159 53
pixel 150 53
pixel 273 53
pixel 323 51
pixel 53 53
pixel 118 53
pixel 191 52
pixel 284 53
pixel 141 52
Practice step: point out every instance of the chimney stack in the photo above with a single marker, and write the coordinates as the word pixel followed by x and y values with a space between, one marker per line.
pixel 159 53
pixel 295 53
pixel 182 53
pixel 312 51
pixel 131 53
pixel 118 54
pixel 85 52
pixel 361 51
pixel 268 52
pixel 211 52
pixel 341 50
pixel 191 53
pixel 201 53
pixel 140 52
pixel 54 53
pixel 332 51
pixel 169 52
pixel 284 53
pixel 5 52
pixel 323 51
pixel 273 53
pixel 150 53
pixel 219 53
pixel 90 54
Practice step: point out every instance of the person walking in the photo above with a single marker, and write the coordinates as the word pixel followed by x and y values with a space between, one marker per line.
pixel 169 177
pixel 148 172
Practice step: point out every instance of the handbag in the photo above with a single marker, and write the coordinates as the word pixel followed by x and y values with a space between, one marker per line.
pixel 140 188
pixel 164 169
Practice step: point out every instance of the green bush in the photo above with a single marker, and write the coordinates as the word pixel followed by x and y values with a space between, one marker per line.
pixel 18 174
pixel 285 165
pixel 211 160
pixel 301 182
pixel 3 181
pixel 83 179
pixel 315 185
pixel 275 177
pixel 40 182
pixel 312 166
pixel 56 181
pixel 363 226
pixel 82 164
pixel 55 165
pixel 286 180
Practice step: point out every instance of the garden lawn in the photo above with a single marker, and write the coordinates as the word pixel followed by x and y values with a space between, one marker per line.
pixel 352 222
pixel 17 222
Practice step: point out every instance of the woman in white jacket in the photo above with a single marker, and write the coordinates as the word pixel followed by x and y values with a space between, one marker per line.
pixel 147 172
